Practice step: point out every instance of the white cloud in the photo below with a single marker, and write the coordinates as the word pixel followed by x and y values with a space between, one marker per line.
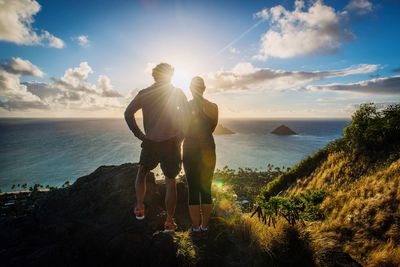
pixel 244 76
pixel 76 77
pixel 16 19
pixel 316 29
pixel 14 94
pixel 106 88
pixel 72 91
pixel 75 86
pixel 83 40
pixel 50 40
pixel 19 66
pixel 386 85
pixel 361 7
pixel 234 50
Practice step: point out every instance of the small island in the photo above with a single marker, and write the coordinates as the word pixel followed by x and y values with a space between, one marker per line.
pixel 283 130
pixel 220 130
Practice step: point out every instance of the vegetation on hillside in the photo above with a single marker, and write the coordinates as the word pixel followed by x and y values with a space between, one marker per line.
pixel 360 175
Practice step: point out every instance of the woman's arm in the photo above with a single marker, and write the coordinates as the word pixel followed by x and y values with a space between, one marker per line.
pixel 211 110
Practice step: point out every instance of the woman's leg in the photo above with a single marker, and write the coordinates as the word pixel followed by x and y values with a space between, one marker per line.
pixel 195 215
pixel 206 201
pixel 207 174
pixel 191 167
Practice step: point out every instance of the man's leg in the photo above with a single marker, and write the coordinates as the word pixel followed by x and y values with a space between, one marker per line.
pixel 170 197
pixel 140 187
pixel 170 165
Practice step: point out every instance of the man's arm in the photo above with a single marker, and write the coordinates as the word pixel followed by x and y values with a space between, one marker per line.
pixel 130 111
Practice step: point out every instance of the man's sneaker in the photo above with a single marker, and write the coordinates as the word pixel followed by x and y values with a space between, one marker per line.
pixel 139 213
pixel 170 226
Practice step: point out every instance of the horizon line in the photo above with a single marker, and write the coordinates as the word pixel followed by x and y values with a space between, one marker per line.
pixel 232 118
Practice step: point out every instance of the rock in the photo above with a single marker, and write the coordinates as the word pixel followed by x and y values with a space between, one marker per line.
pixel 283 130
pixel 220 130
pixel 92 223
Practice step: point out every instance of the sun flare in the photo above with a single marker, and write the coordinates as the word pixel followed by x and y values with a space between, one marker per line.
pixel 182 79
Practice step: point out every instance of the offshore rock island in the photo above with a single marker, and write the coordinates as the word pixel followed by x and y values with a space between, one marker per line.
pixel 221 130
pixel 283 130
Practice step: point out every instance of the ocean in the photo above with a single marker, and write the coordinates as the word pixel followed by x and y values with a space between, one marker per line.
pixel 52 151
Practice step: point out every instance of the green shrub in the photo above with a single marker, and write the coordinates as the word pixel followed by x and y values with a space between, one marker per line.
pixel 298 208
pixel 371 128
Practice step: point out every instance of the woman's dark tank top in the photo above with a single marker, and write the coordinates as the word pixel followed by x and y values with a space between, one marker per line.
pixel 200 126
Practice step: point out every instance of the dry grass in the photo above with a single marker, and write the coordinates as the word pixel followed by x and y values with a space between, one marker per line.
pixel 387 255
pixel 362 211
pixel 235 239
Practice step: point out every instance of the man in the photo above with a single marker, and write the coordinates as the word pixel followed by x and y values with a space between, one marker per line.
pixel 164 109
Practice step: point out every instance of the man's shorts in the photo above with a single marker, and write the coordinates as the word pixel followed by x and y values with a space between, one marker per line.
pixel 167 153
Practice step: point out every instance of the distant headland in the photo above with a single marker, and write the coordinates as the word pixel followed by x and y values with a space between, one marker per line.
pixel 283 130
pixel 220 130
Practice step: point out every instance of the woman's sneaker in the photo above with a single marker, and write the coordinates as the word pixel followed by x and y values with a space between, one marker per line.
pixel 204 232
pixel 170 226
pixel 204 229
pixel 139 213
pixel 195 233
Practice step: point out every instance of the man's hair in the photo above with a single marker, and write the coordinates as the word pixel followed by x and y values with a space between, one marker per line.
pixel 197 85
pixel 163 72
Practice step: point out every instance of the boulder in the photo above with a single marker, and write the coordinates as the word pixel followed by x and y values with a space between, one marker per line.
pixel 92 223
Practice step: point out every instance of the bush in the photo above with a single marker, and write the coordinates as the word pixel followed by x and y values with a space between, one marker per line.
pixel 371 128
pixel 298 208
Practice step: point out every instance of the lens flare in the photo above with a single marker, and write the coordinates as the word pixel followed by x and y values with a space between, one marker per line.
pixel 219 184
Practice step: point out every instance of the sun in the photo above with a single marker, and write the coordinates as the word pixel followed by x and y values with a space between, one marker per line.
pixel 182 78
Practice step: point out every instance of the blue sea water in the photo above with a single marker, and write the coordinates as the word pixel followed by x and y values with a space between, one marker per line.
pixel 52 151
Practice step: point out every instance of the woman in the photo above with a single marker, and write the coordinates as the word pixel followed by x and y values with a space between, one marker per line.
pixel 199 155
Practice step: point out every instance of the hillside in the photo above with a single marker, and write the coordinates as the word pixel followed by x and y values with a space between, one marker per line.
pixel 360 177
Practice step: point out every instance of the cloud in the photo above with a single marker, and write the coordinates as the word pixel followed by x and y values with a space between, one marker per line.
pixel 386 85
pixel 106 88
pixel 20 66
pixel 16 19
pixel 316 29
pixel 71 91
pixel 234 50
pixel 74 79
pixel 244 76
pixel 15 95
pixel 360 7
pixel 50 40
pixel 83 40
pixel 74 86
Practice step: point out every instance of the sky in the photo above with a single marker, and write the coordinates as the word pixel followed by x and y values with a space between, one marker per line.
pixel 259 59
